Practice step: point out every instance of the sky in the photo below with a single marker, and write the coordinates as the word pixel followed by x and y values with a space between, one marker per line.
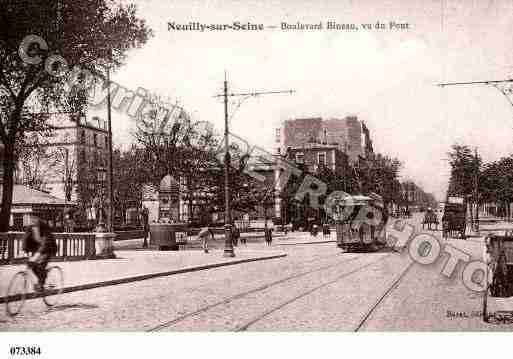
pixel 388 78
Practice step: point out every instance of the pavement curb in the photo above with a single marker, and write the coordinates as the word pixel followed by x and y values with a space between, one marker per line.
pixel 142 277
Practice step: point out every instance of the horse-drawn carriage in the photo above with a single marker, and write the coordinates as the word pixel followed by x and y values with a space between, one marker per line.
pixel 454 218
pixel 430 219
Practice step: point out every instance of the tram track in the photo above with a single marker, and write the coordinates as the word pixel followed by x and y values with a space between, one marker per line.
pixel 249 323
pixel 261 305
pixel 266 286
pixel 261 288
pixel 381 298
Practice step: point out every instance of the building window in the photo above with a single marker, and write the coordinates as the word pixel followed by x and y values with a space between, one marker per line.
pixel 300 157
pixel 82 137
pixel 321 158
pixel 82 157
pixel 95 140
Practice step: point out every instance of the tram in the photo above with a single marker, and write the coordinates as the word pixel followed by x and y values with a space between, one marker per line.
pixel 360 222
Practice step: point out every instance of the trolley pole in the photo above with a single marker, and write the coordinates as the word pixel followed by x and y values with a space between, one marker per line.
pixel 228 244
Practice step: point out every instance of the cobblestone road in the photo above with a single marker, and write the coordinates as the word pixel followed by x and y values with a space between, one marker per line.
pixel 148 304
pixel 315 287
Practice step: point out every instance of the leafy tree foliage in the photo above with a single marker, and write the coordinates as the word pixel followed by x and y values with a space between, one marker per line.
pixel 379 173
pixel 496 184
pixel 87 33
pixel 464 167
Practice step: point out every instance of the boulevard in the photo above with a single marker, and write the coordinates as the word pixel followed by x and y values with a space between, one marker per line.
pixel 315 287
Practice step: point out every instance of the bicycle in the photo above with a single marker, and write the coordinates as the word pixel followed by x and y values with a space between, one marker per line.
pixel 22 282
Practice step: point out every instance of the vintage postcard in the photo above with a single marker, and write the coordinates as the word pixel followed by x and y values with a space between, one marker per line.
pixel 254 166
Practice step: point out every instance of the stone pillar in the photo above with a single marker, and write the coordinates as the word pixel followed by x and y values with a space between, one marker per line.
pixel 104 245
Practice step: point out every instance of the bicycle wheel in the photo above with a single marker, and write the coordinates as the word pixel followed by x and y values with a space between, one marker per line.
pixel 53 285
pixel 16 293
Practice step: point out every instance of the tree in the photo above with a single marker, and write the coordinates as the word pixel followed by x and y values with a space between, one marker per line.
pixel 162 134
pixel 35 165
pixel 41 163
pixel 379 173
pixel 463 169
pixel 130 174
pixel 86 33
pixel 496 183
pixel 175 144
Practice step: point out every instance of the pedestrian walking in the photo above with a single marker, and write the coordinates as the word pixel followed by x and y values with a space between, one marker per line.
pixel 68 223
pixel 314 230
pixel 243 239
pixel 268 236
pixel 235 235
pixel 203 235
pixel 145 216
pixel 326 231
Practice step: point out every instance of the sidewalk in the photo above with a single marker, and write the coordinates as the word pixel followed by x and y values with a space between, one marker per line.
pixel 130 266
pixel 291 238
pixel 299 238
pixel 194 243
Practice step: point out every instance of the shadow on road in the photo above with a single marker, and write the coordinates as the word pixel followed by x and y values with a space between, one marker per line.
pixel 60 307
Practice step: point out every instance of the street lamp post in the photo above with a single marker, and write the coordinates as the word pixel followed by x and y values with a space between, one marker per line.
pixel 111 180
pixel 101 180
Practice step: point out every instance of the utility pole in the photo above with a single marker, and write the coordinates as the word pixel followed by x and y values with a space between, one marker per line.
pixel 228 245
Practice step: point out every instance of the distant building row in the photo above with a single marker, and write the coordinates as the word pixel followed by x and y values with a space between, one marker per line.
pixel 336 143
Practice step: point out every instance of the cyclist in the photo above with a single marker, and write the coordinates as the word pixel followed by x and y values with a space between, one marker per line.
pixel 40 242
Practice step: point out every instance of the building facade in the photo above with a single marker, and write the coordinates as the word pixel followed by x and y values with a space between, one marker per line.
pixel 65 161
pixel 335 143
pixel 315 155
pixel 349 135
